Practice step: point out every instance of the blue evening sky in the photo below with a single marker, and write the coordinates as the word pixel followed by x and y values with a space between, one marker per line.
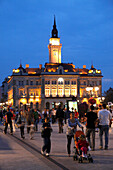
pixel 85 28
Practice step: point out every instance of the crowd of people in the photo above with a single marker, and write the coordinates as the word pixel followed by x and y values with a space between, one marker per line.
pixel 93 120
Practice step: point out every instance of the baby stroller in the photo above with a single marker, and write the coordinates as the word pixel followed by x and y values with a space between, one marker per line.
pixel 78 156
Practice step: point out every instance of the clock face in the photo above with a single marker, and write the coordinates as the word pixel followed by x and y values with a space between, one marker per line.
pixel 55 52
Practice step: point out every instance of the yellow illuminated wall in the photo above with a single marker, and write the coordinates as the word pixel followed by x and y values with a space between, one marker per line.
pixel 54 92
pixel 54 50
pixel 47 92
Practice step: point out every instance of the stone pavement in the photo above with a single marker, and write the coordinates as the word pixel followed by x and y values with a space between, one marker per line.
pixel 13 156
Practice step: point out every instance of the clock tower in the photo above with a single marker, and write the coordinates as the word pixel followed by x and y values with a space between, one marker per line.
pixel 54 46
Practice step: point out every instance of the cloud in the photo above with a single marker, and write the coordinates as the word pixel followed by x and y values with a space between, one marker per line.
pixel 107 80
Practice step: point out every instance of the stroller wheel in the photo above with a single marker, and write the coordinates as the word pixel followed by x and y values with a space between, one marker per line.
pixel 91 160
pixel 80 160
pixel 75 157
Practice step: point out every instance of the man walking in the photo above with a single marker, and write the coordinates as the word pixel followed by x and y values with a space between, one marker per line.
pixel 9 115
pixel 60 116
pixel 105 119
pixel 29 118
pixel 91 118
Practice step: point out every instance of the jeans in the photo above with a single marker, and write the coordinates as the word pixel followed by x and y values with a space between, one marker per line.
pixel 69 138
pixel 6 126
pixel 91 132
pixel 28 128
pixel 47 145
pixel 105 129
pixel 36 123
pixel 22 131
pixel 53 118
pixel 60 123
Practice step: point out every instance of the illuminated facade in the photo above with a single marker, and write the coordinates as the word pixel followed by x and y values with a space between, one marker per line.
pixel 56 82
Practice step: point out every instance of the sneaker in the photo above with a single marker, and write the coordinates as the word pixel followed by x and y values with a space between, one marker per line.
pixel 47 154
pixel 42 152
pixel 100 147
pixel 22 137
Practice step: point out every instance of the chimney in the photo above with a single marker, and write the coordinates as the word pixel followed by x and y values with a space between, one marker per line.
pixel 84 66
pixel 40 66
pixel 27 65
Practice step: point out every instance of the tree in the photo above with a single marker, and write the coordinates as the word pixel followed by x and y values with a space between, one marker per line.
pixel 108 95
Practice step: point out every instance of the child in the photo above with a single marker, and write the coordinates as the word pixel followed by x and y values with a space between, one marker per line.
pixel 21 122
pixel 46 133
pixel 82 145
pixel 32 130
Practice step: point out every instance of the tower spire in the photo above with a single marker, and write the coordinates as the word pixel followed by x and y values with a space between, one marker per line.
pixel 54 22
pixel 54 30
pixel 20 63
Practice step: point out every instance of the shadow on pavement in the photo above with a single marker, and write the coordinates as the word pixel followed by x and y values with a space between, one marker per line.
pixel 4 144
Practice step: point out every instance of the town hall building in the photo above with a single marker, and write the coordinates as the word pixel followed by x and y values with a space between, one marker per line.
pixel 56 82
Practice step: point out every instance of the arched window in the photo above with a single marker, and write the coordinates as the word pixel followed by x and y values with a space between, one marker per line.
pixel 37 104
pixel 47 105
pixel 61 103
pixel 31 105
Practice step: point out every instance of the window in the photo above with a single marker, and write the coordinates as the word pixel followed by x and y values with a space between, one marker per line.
pixel 37 104
pixel 47 82
pixel 60 92
pixel 31 82
pixel 73 92
pixel 47 92
pixel 84 82
pixel 21 92
pixel 27 82
pixel 60 82
pixel 67 82
pixel 48 105
pixel 54 92
pixel 22 83
pixel 53 82
pixel 37 83
pixel 67 92
pixel 31 105
pixel 73 82
pixel 37 94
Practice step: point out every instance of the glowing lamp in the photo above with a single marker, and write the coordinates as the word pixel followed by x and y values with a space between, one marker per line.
pixel 60 79
pixel 96 88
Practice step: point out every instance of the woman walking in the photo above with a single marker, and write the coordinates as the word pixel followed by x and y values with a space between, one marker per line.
pixel 72 124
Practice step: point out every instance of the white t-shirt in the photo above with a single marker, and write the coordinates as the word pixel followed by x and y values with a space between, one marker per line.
pixel 104 117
